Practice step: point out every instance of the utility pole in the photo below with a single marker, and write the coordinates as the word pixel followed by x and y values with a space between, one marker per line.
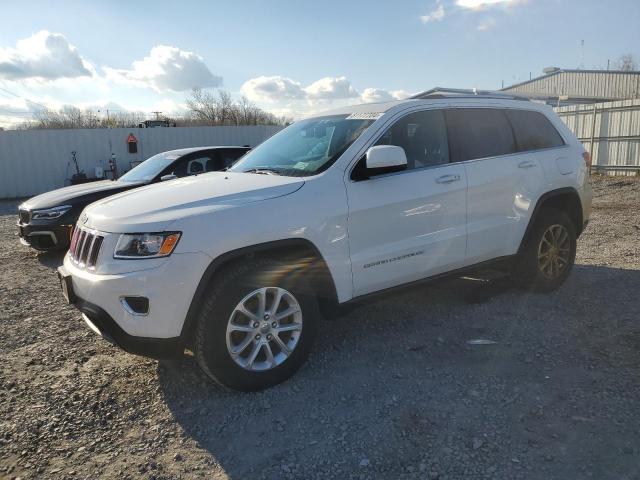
pixel 157 114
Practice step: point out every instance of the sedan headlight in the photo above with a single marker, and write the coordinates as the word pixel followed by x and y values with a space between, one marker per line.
pixel 146 245
pixel 50 213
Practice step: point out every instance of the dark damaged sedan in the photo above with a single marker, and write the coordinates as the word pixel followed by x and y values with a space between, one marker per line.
pixel 45 222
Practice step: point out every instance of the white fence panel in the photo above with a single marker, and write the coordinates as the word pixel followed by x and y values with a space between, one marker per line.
pixel 610 131
pixel 35 161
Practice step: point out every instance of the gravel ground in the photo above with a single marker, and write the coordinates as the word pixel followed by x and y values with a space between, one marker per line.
pixel 392 390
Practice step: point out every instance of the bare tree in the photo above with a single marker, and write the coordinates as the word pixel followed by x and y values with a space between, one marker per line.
pixel 72 117
pixel 207 108
pixel 202 105
pixel 626 63
pixel 245 110
pixel 125 119
pixel 225 106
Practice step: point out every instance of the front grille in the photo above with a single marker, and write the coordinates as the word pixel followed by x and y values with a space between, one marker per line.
pixel 85 247
pixel 25 216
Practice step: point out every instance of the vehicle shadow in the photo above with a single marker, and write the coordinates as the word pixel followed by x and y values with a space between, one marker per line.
pixel 399 379
pixel 51 260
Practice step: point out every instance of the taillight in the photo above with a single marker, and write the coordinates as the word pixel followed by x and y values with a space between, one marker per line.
pixel 587 159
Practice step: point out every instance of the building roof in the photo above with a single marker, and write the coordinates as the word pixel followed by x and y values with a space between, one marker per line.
pixel 580 86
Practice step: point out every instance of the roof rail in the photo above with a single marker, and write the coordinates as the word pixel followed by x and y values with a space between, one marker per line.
pixel 439 92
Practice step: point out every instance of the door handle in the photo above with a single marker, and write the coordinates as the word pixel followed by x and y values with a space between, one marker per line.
pixel 448 179
pixel 526 164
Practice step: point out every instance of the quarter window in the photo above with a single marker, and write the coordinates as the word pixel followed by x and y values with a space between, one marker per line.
pixel 533 130
pixel 479 133
pixel 423 136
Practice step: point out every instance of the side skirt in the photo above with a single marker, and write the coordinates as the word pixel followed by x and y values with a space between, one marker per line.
pixel 500 263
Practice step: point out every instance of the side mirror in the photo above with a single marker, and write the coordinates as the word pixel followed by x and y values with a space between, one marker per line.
pixel 164 178
pixel 385 159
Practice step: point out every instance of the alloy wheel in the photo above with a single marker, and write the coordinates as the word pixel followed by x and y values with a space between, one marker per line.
pixel 264 329
pixel 554 251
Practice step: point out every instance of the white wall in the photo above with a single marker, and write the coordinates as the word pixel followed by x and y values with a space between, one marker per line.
pixel 610 131
pixel 36 161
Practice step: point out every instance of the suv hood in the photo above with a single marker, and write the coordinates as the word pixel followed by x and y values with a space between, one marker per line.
pixel 64 195
pixel 155 207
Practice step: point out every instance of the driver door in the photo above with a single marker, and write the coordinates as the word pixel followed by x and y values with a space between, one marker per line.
pixel 409 225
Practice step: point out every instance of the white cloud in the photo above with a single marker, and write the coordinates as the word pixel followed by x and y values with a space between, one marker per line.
pixel 14 111
pixel 373 95
pixel 101 105
pixel 277 88
pixel 271 89
pixel 488 24
pixel 167 69
pixel 44 55
pixel 480 4
pixel 330 88
pixel 436 15
pixel 167 107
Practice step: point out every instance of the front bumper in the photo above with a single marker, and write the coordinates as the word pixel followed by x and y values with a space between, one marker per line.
pixel 169 286
pixel 45 237
pixel 101 322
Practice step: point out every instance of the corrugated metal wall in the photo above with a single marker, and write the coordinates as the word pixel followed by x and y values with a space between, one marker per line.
pixel 35 161
pixel 610 131
pixel 584 84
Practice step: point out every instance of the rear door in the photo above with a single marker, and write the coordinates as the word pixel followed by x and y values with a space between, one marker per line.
pixel 408 225
pixel 503 184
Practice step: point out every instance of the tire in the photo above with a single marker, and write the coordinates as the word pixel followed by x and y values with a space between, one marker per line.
pixel 215 336
pixel 535 271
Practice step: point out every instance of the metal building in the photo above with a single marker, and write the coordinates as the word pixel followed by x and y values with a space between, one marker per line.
pixel 569 87
pixel 602 107
pixel 35 161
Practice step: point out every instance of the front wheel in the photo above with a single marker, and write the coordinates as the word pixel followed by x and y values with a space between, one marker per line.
pixel 548 253
pixel 256 326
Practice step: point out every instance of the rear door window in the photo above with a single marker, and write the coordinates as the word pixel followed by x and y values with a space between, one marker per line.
pixel 533 130
pixel 479 133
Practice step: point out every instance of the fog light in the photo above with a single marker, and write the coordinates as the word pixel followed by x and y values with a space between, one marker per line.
pixel 135 305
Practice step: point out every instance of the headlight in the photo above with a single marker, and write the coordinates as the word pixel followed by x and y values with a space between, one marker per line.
pixel 146 245
pixel 50 213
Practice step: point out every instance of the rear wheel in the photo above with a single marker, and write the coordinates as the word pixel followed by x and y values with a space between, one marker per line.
pixel 548 253
pixel 256 326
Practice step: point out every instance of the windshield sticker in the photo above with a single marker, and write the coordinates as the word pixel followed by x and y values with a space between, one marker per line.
pixel 365 116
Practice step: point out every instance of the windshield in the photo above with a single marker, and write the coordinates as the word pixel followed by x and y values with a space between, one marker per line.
pixel 148 169
pixel 305 148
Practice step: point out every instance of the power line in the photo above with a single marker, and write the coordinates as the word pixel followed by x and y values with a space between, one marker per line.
pixel 5 113
pixel 23 98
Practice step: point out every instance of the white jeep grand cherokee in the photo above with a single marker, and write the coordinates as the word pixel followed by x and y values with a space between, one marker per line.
pixel 237 265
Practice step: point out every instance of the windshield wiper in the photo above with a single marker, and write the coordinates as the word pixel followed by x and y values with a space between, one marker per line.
pixel 263 171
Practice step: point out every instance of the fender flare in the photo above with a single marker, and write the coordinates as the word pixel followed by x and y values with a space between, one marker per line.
pixel 299 244
pixel 540 204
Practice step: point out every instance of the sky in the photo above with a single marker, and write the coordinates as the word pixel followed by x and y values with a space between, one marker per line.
pixel 292 58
